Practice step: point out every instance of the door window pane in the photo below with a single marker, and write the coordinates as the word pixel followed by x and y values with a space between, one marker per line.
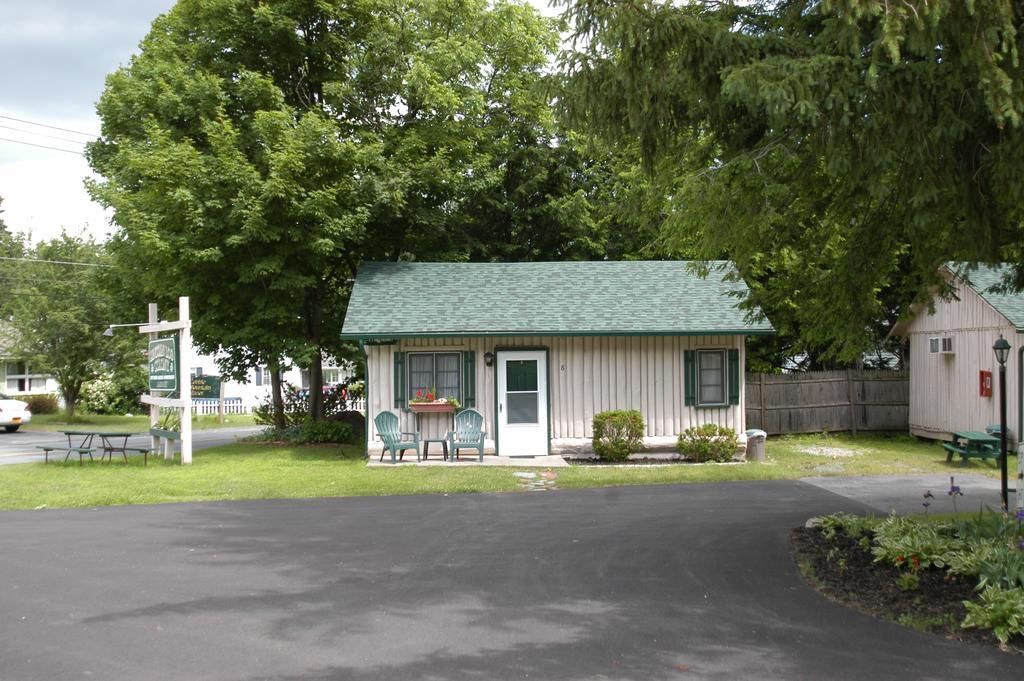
pixel 521 375
pixel 522 407
pixel 711 370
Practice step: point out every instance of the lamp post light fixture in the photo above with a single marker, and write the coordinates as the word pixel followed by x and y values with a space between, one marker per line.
pixel 1002 350
pixel 110 329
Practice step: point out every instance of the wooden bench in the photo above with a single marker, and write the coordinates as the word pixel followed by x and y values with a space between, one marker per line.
pixel 81 451
pixel 109 453
pixel 166 438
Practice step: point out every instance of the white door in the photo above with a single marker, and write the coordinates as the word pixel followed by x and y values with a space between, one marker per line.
pixel 522 403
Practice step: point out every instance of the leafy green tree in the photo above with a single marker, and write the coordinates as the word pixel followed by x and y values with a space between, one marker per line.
pixel 838 151
pixel 255 153
pixel 59 313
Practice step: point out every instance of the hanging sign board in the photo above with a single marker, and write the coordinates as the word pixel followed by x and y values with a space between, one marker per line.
pixel 205 387
pixel 163 364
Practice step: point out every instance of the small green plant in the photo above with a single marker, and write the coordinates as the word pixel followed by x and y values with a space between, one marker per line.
pixel 998 609
pixel 617 434
pixel 904 541
pixel 41 404
pixel 908 581
pixel 853 526
pixel 710 442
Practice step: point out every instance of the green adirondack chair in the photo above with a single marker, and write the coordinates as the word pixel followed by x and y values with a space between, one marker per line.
pixel 468 434
pixel 387 428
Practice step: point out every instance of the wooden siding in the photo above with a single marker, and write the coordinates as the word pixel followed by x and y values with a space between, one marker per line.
pixel 815 401
pixel 588 374
pixel 944 395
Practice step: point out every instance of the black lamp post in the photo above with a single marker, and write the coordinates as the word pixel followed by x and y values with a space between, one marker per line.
pixel 1002 350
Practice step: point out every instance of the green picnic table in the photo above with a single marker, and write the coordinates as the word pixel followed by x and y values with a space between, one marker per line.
pixel 110 443
pixel 972 444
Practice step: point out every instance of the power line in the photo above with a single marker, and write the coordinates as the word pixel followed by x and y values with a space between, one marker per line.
pixel 57 262
pixel 41 134
pixel 41 146
pixel 52 127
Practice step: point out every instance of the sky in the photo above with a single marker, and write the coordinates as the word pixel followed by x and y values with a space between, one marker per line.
pixel 55 56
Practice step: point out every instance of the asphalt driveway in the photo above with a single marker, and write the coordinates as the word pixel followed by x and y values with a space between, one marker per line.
pixel 20 447
pixel 664 582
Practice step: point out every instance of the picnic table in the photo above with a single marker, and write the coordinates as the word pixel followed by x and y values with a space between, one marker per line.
pixel 972 443
pixel 110 443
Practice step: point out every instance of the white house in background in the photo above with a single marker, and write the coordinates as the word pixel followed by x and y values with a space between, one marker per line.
pixel 540 348
pixel 256 389
pixel 954 379
pixel 18 379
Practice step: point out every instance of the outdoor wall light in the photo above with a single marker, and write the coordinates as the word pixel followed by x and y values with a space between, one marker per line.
pixel 488 358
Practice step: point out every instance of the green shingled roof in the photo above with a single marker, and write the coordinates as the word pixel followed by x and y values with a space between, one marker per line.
pixel 565 298
pixel 982 279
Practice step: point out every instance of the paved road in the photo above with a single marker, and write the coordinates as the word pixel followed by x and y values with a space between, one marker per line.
pixel 649 583
pixel 19 447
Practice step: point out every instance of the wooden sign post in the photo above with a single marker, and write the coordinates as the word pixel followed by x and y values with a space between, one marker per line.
pixel 169 361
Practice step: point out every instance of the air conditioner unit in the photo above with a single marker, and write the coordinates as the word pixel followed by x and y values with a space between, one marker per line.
pixel 940 345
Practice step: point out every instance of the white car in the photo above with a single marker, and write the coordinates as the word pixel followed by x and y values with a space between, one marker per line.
pixel 13 414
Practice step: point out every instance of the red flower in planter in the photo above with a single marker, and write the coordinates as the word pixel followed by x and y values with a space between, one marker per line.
pixel 430 396
pixel 419 393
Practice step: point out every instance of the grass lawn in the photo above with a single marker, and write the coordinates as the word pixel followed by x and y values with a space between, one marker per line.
pixel 135 424
pixel 257 471
pixel 798 456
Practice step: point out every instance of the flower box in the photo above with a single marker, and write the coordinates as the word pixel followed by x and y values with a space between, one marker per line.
pixel 430 407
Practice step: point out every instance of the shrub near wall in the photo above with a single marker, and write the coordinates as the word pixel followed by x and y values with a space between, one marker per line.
pixel 617 434
pixel 710 442
pixel 40 404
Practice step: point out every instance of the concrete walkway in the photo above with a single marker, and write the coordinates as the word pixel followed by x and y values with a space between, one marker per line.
pixel 470 459
pixel 903 494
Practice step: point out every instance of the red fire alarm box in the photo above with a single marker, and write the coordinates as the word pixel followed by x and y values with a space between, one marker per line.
pixel 985 383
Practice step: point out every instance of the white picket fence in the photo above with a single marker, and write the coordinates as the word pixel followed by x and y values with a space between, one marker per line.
pixel 232 405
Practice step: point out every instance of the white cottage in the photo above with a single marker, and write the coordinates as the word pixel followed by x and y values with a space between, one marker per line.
pixel 954 380
pixel 540 348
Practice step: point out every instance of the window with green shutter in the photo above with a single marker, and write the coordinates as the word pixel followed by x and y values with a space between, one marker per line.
pixel 469 378
pixel 689 377
pixel 399 374
pixel 711 377
pixel 436 373
pixel 734 377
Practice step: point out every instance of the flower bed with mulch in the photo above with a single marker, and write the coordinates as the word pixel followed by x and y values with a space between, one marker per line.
pixel 844 570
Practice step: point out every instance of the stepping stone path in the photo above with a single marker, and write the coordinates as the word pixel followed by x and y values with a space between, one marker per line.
pixel 537 482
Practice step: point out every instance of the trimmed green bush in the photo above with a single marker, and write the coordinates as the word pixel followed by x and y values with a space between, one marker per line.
pixel 310 433
pixel 710 442
pixel 41 404
pixel 617 434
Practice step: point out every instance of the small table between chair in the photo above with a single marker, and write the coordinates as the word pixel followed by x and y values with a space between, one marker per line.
pixel 444 446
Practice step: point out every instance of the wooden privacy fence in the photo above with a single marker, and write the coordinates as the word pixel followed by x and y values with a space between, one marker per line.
pixel 814 401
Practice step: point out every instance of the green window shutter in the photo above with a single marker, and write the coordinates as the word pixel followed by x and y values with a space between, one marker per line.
pixel 734 377
pixel 399 379
pixel 469 378
pixel 690 377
